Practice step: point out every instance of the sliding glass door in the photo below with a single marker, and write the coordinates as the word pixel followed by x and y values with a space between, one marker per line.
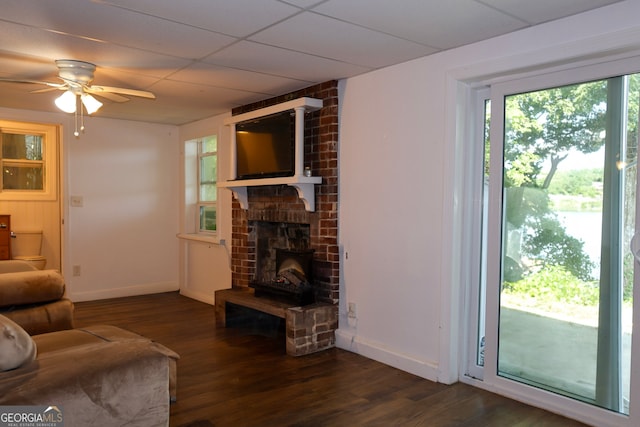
pixel 568 216
pixel 555 256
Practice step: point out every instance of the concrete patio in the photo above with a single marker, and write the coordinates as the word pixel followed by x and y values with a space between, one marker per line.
pixel 555 353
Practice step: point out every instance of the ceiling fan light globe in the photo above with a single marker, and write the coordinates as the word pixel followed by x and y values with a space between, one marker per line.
pixel 90 103
pixel 66 102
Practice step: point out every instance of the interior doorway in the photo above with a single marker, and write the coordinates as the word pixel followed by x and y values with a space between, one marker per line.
pixel 31 183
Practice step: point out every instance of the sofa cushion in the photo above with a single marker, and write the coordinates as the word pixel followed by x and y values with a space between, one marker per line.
pixel 42 318
pixel 54 341
pixel 106 384
pixel 16 346
pixel 30 287
pixel 61 341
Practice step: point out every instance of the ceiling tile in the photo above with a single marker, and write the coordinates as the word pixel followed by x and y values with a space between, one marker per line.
pixel 118 26
pixel 329 38
pixel 215 75
pixel 29 68
pixel 535 12
pixel 201 101
pixel 158 112
pixel 304 4
pixel 429 22
pixel 201 96
pixel 252 56
pixel 238 18
pixel 34 45
pixel 18 96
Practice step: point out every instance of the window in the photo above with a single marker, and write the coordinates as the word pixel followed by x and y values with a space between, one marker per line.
pixel 207 183
pixel 28 161
pixel 22 162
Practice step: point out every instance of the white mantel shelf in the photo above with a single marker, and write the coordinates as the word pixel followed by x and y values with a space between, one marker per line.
pixel 304 184
pixel 305 104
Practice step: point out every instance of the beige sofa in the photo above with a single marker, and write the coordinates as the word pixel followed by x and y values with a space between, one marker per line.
pixel 100 375
pixel 35 299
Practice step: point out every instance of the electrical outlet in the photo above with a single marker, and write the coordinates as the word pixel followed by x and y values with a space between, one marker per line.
pixel 352 310
pixel 76 270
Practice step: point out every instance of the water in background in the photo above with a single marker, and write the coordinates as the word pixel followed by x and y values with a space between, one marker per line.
pixel 586 226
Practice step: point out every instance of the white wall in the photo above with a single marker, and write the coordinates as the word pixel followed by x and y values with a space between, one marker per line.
pixel 205 263
pixel 399 194
pixel 391 174
pixel 124 236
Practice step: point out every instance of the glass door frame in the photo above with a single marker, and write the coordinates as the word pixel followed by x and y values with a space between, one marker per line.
pixel 476 191
pixel 490 378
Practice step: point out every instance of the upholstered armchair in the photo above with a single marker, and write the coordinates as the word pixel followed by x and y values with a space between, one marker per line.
pixel 34 299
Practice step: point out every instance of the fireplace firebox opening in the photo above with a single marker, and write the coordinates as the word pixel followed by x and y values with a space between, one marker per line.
pixel 293 279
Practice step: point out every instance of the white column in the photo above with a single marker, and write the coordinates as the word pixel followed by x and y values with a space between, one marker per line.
pixel 299 140
pixel 233 153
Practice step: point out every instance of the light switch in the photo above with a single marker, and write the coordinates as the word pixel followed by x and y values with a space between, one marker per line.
pixel 77 201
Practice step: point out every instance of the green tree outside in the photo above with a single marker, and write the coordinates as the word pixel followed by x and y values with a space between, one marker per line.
pixel 542 129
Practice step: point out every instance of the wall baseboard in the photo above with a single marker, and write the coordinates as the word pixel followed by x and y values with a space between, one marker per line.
pixel 128 291
pixel 350 342
pixel 208 298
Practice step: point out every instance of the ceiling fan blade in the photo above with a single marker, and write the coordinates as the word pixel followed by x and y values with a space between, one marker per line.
pixel 49 89
pixel 110 96
pixel 35 82
pixel 101 90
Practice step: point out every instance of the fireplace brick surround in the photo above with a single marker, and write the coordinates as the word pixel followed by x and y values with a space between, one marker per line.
pixel 280 204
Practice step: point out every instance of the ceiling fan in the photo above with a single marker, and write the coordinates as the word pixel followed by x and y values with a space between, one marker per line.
pixel 77 76
pixel 76 79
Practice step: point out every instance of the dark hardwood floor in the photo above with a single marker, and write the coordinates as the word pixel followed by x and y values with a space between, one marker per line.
pixel 241 376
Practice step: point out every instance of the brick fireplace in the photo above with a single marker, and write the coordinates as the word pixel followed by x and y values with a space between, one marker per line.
pixel 280 206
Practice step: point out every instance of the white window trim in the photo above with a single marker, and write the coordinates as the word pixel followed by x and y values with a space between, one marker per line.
pixel 191 229
pixel 49 156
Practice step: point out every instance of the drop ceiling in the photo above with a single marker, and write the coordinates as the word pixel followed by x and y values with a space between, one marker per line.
pixel 204 57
